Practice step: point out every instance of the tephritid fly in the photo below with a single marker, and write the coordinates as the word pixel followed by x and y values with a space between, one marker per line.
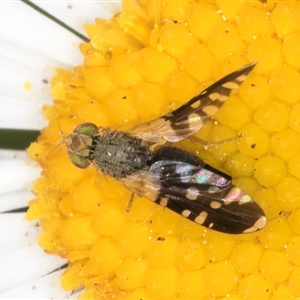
pixel 169 176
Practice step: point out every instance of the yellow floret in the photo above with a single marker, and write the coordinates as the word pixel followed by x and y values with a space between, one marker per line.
pixel 108 219
pixel 255 141
pixel 87 197
pixel 288 193
pixel 294 165
pixel 284 81
pixel 253 22
pixel 269 170
pixel 294 281
pixel 174 10
pixel 230 9
pixel 104 257
pixel 219 279
pixel 160 252
pixel 96 77
pixel 234 113
pixel 225 41
pixel 217 246
pixel 202 19
pixel 124 70
pixel 268 200
pixel 272 116
pixel 179 86
pixel 282 291
pixel 175 38
pixel 294 221
pixel 133 239
pixel 190 256
pixel 274 266
pixel 240 165
pixel 267 51
pixel 142 96
pixel 130 274
pixel 276 235
pixel 191 285
pixel 286 17
pixel 254 286
pixel 198 62
pixel 291 49
pixel 246 257
pixel 293 250
pixel 255 91
pixel 295 117
pixel 285 144
pixel 162 283
pixel 150 59
pixel 72 277
pixel 141 64
pixel 77 232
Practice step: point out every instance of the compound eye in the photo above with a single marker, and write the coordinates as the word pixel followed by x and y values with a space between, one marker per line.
pixel 88 129
pixel 79 161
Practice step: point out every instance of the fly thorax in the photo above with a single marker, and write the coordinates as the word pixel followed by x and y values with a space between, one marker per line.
pixel 119 154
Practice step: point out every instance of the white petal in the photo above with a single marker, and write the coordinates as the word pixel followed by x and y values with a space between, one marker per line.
pixel 12 154
pixel 76 13
pixel 45 287
pixel 16 174
pixel 19 267
pixel 18 113
pixel 24 27
pixel 14 200
pixel 17 233
pixel 20 107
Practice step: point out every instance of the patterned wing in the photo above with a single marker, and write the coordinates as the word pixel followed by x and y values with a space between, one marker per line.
pixel 199 193
pixel 190 117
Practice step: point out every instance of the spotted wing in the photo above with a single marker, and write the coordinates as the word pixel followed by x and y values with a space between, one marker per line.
pixel 190 117
pixel 199 193
pixel 224 209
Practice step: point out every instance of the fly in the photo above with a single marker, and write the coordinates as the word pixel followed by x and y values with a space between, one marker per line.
pixel 169 176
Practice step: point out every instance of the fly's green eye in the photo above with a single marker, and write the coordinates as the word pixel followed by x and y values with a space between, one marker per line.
pixel 80 142
pixel 88 129
pixel 79 161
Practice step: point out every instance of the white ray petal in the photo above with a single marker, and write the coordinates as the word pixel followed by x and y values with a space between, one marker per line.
pixel 76 13
pixel 14 200
pixel 45 287
pixel 37 32
pixel 19 113
pixel 16 174
pixel 18 65
pixel 16 233
pixel 12 154
pixel 25 265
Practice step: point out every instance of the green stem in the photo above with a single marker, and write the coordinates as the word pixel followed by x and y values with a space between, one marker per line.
pixel 17 210
pixel 17 139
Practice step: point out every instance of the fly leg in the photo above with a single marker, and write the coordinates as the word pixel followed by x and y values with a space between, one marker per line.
pixel 129 205
pixel 206 144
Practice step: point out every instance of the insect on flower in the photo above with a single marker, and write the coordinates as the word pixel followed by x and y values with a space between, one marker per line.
pixel 170 176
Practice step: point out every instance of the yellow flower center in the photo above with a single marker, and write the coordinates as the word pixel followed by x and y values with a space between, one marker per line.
pixel 144 62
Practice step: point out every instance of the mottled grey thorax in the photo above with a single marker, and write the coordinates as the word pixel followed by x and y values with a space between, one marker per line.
pixel 118 154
